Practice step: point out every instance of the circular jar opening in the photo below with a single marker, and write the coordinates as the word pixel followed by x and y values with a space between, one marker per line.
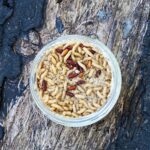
pixel 114 88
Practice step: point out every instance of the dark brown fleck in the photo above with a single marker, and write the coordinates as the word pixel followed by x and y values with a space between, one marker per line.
pixel 44 85
pixel 98 72
pixel 70 94
pixel 59 50
pixel 37 81
pixel 92 51
pixel 69 61
pixel 81 45
pixel 80 82
pixel 79 68
pixel 69 48
pixel 72 75
pixel 69 66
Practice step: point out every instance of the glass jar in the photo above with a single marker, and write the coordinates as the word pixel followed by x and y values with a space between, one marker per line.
pixel 114 92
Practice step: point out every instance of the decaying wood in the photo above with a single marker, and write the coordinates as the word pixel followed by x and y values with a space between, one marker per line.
pixel 119 24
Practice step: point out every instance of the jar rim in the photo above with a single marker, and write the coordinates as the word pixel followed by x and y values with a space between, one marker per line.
pixel 114 92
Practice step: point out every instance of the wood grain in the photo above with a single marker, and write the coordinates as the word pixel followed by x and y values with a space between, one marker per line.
pixel 121 25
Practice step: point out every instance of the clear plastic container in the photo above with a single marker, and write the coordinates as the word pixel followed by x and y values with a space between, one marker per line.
pixel 114 92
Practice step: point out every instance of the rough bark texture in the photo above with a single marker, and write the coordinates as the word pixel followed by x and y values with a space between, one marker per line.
pixel 121 25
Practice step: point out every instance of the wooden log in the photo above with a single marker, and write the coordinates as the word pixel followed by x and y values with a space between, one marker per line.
pixel 121 25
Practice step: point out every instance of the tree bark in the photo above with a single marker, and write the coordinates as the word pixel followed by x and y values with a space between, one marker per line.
pixel 121 25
